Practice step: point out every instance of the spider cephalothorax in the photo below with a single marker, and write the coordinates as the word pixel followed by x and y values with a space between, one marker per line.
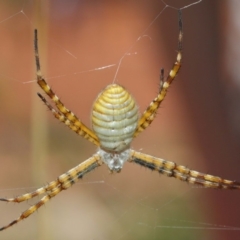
pixel 115 123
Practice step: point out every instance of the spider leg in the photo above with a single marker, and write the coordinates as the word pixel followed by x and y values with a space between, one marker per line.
pixel 67 122
pixel 33 208
pixel 183 173
pixel 85 131
pixel 30 195
pixel 63 182
pixel 161 78
pixel 150 113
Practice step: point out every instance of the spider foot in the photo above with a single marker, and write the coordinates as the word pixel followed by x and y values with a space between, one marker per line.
pixel 6 199
pixel 9 225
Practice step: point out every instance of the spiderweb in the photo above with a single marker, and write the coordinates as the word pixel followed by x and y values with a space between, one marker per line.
pixel 83 47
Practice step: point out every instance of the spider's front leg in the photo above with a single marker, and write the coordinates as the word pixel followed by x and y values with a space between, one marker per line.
pixel 182 173
pixel 63 182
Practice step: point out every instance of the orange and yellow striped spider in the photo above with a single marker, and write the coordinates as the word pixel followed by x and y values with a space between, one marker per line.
pixel 115 123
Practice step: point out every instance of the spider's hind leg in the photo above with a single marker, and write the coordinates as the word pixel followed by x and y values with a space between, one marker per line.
pixel 83 130
pixel 150 113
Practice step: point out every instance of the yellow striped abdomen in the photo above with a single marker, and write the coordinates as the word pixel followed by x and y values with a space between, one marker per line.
pixel 114 118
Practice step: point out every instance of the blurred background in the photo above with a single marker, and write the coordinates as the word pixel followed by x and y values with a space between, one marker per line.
pixel 81 44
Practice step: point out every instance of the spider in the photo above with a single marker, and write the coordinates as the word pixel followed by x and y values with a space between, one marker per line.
pixel 115 123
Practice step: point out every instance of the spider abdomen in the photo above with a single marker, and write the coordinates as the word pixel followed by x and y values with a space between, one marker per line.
pixel 114 118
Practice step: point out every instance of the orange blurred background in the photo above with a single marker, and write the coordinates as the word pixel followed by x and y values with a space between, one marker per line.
pixel 196 126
